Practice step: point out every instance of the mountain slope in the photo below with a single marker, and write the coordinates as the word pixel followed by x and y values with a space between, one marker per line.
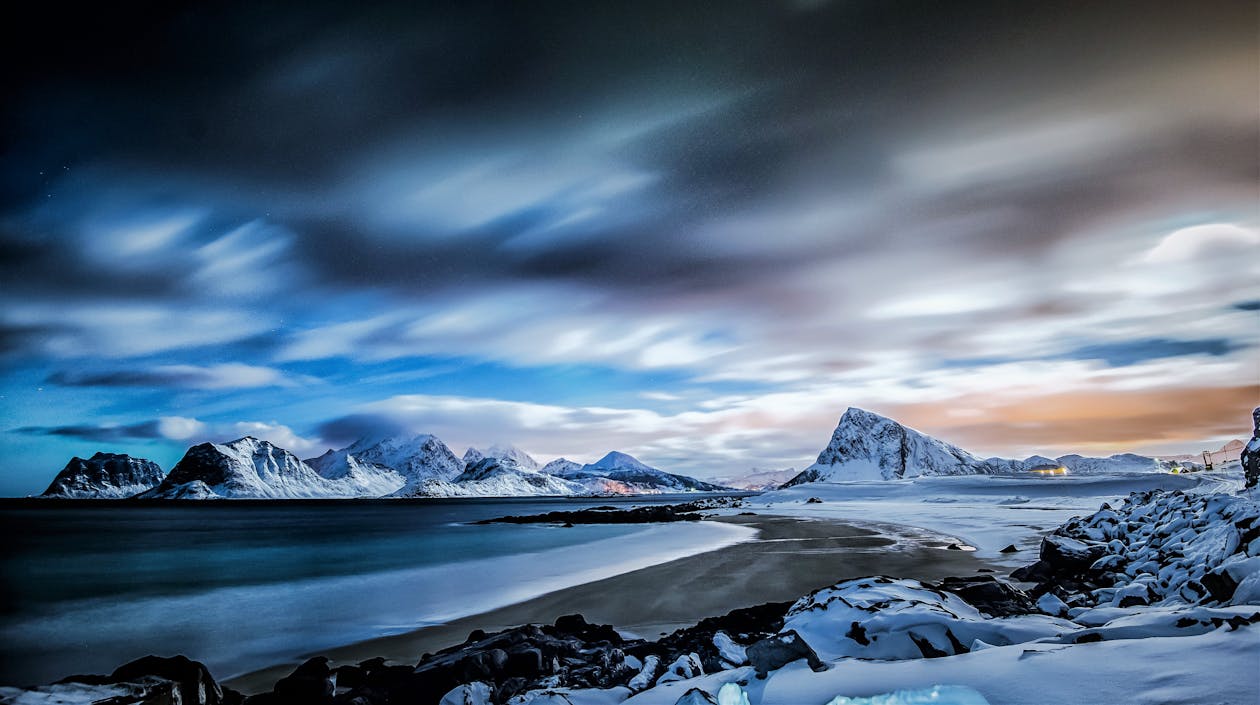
pixel 105 476
pixel 354 477
pixel 560 466
pixel 415 458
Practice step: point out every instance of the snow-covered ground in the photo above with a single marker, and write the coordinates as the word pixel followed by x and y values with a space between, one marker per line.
pixel 987 512
pixel 1188 647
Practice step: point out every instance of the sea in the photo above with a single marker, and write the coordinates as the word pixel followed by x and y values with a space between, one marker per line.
pixel 241 585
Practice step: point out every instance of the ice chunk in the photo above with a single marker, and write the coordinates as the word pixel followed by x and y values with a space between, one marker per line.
pixel 936 695
pixel 732 694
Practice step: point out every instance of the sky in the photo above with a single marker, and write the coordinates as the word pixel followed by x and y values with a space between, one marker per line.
pixel 695 233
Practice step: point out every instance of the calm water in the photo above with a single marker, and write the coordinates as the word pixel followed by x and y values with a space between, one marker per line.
pixel 242 585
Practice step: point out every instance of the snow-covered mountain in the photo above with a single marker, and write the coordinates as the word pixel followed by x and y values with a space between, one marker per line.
pixel 416 458
pixel 867 446
pixel 519 457
pixel 246 468
pixel 500 477
pixel 622 470
pixel 105 476
pixel 757 479
pixel 560 466
pixel 355 477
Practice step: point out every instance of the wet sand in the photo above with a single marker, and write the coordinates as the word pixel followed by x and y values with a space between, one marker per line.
pixel 789 558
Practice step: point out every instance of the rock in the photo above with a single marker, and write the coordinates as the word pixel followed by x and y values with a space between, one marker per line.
pixel 1250 457
pixel 1069 555
pixel 779 650
pixel 1038 572
pixel 1220 585
pixel 1052 605
pixel 813 500
pixel 695 696
pixel 1010 549
pixel 151 680
pixel 144 691
pixel 987 594
pixel 313 682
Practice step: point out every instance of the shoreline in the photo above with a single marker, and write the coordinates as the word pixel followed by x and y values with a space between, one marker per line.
pixel 789 557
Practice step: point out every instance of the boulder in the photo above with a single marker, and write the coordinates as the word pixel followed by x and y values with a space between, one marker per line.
pixel 779 650
pixel 987 594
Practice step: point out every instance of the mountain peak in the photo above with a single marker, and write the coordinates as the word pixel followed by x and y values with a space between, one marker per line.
pixel 868 446
pixel 617 459
pixel 105 476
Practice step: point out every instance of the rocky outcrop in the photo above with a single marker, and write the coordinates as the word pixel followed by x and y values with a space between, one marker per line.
pixel 650 514
pixel 152 680
pixel 105 476
pixel 1250 456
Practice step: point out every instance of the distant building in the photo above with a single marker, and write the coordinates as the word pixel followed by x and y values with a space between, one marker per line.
pixel 1048 469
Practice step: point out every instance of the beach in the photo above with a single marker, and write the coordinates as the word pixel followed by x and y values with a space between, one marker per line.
pixel 789 557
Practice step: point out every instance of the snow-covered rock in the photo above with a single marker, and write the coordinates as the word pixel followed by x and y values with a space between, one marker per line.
pixel 1156 548
pixel 246 468
pixel 355 477
pixel 105 476
pixel 646 675
pixel 728 650
pixel 892 619
pixel 475 693
pixel 683 668
pixel 867 446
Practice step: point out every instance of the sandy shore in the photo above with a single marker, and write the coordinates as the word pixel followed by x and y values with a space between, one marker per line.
pixel 790 557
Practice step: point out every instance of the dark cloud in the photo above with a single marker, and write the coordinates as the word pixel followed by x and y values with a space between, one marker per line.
pixel 1132 352
pixel 344 430
pixel 1248 306
pixel 104 433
